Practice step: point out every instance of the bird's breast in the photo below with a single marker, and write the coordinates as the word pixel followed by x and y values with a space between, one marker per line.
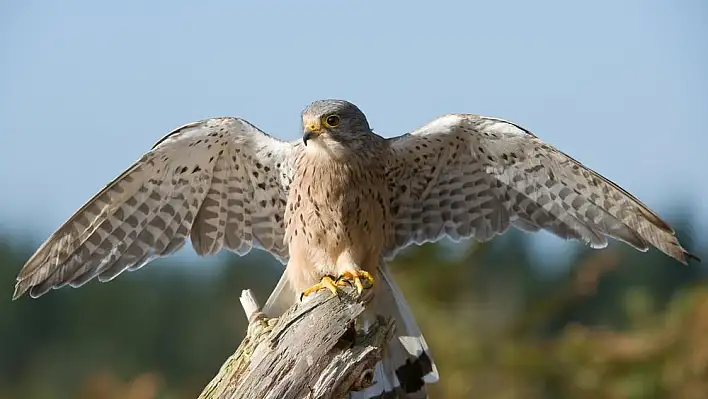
pixel 336 206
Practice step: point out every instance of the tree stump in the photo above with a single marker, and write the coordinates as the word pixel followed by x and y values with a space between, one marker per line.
pixel 311 351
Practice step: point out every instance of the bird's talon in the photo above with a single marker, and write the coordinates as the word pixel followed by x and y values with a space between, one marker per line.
pixel 357 276
pixel 326 283
pixel 342 281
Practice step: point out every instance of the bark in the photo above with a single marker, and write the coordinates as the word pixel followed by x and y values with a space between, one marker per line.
pixel 311 351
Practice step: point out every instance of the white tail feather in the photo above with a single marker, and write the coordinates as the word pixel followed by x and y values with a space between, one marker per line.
pixel 282 297
pixel 407 364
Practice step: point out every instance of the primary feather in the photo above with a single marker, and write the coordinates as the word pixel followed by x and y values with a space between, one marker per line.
pixel 472 176
pixel 222 182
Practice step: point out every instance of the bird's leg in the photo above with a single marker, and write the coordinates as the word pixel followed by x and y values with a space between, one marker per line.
pixel 357 276
pixel 327 282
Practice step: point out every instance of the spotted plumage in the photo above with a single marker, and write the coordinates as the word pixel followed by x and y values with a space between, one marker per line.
pixel 221 182
pixel 472 176
pixel 341 200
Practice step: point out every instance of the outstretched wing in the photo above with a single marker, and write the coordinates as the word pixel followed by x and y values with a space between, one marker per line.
pixel 221 181
pixel 473 176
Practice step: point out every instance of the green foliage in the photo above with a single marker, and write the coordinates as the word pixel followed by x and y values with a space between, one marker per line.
pixel 617 324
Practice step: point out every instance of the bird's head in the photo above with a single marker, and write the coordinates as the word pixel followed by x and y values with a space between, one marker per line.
pixel 335 124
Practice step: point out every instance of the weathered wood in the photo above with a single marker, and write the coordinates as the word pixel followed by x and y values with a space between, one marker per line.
pixel 311 351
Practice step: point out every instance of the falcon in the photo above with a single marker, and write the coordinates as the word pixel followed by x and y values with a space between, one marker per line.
pixel 338 203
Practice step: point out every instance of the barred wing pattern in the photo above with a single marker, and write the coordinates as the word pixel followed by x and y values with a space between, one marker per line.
pixel 472 176
pixel 221 181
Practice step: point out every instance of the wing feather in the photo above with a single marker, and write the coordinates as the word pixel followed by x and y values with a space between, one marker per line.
pixel 472 176
pixel 221 181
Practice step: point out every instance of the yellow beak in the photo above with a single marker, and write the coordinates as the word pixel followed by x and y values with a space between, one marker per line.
pixel 312 130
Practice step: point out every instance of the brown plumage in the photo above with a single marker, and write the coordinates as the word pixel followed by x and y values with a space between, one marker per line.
pixel 343 201
pixel 337 218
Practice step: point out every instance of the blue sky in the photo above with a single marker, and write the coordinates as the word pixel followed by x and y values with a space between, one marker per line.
pixel 86 87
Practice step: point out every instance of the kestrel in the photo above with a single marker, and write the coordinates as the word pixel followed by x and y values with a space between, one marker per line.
pixel 339 203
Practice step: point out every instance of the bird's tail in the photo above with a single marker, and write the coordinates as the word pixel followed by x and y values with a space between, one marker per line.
pixel 406 365
pixel 282 297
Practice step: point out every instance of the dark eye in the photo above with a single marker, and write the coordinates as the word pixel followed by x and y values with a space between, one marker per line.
pixel 332 121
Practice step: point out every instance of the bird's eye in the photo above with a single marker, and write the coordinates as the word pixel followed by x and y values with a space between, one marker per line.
pixel 331 121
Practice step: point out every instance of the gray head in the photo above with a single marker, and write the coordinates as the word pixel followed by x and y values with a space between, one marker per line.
pixel 334 123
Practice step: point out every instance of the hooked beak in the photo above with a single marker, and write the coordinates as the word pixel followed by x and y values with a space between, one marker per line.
pixel 308 135
pixel 312 130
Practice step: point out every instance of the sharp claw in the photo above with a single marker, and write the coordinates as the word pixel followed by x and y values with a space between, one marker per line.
pixel 341 281
pixel 357 276
pixel 359 286
pixel 326 282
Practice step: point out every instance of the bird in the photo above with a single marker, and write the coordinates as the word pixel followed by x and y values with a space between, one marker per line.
pixel 338 203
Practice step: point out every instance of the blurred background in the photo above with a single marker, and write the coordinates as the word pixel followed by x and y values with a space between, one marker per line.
pixel 86 88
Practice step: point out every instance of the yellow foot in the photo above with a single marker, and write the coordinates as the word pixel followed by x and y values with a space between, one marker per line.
pixel 357 276
pixel 326 283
